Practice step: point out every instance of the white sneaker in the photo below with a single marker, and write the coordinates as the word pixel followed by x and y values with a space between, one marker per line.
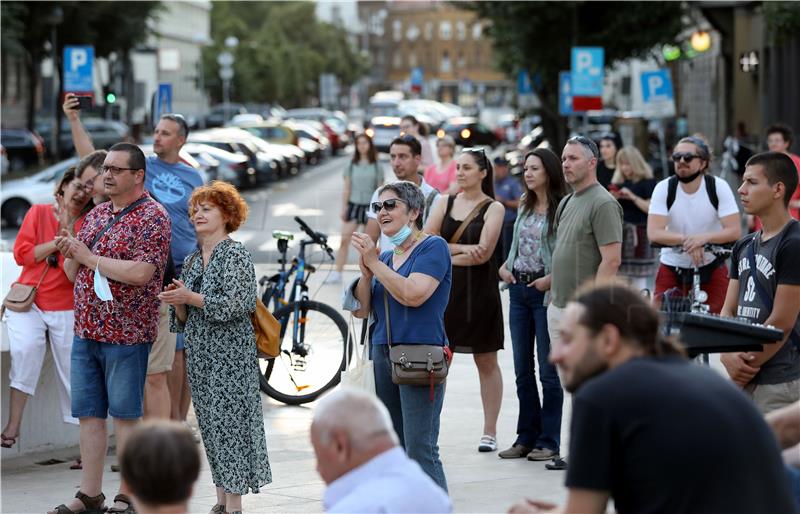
pixel 334 277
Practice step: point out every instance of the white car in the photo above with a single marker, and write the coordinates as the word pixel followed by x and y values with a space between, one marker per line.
pixel 17 196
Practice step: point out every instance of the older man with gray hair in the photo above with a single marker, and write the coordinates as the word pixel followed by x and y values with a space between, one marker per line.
pixel 359 458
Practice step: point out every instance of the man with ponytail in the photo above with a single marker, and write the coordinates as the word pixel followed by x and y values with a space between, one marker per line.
pixel 650 429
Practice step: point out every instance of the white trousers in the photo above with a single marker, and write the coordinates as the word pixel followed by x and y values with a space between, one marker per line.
pixel 27 337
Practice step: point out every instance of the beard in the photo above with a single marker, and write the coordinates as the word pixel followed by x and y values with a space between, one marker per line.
pixel 589 366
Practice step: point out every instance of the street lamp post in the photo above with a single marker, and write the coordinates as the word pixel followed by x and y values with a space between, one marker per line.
pixel 56 18
pixel 225 60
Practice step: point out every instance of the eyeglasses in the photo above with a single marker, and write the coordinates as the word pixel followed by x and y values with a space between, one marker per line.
pixel 389 205
pixel 685 157
pixel 586 143
pixel 115 170
pixel 89 184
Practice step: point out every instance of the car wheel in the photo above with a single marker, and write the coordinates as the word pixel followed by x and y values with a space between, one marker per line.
pixel 14 211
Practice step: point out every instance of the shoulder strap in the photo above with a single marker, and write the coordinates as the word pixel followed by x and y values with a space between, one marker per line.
pixel 116 218
pixel 794 337
pixel 386 309
pixel 471 216
pixel 672 189
pixel 561 207
pixel 428 202
pixel 711 190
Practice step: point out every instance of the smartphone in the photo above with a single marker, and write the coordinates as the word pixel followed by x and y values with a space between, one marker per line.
pixel 84 102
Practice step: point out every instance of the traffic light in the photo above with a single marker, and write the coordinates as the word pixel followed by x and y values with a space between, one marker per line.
pixel 109 95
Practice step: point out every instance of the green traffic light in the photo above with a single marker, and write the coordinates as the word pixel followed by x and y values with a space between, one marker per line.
pixel 111 98
pixel 671 52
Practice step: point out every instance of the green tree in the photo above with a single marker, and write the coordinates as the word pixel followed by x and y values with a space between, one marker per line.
pixel 281 53
pixel 111 27
pixel 537 36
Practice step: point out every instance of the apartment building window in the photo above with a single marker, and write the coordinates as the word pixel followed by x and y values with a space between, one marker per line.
pixel 461 31
pixel 476 31
pixel 397 30
pixel 445 31
pixel 397 60
pixel 428 30
pixel 461 62
pixel 412 33
pixel 412 60
pixel 445 67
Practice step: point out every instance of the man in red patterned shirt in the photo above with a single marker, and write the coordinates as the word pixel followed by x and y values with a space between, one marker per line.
pixel 117 261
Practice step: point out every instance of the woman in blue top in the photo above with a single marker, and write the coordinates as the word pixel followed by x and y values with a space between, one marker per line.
pixel 527 271
pixel 416 274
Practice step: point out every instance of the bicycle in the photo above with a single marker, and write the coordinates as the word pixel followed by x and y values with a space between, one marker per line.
pixel 313 347
pixel 675 304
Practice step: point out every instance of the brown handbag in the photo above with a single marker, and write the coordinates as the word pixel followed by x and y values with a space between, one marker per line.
pixel 21 296
pixel 267 330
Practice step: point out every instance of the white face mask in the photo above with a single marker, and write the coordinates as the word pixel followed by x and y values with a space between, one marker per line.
pixel 101 287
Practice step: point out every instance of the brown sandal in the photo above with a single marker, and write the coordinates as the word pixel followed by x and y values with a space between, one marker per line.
pixel 123 498
pixel 218 509
pixel 91 505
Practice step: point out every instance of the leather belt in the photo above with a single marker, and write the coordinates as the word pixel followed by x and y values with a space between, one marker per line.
pixel 526 277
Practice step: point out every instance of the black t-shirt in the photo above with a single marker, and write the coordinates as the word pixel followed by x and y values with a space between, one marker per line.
pixel 642 189
pixel 604 173
pixel 776 260
pixel 663 435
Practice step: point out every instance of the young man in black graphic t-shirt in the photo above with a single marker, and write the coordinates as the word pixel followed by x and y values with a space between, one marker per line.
pixel 765 283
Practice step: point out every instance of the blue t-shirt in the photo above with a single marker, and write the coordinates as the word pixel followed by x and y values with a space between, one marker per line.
pixel 172 185
pixel 423 324
pixel 508 188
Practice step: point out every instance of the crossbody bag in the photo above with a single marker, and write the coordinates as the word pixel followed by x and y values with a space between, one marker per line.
pixel 20 297
pixel 416 364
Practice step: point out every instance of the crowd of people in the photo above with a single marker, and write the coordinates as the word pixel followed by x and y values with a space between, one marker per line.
pixel 147 303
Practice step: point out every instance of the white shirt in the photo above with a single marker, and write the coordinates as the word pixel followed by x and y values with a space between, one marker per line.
pixel 691 214
pixel 384 242
pixel 390 482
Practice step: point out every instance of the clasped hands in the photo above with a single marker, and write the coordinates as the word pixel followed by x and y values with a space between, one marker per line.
pixel 175 293
pixel 693 245
pixel 72 248
pixel 367 252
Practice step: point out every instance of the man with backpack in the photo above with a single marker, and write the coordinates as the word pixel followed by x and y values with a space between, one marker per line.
pixel 765 284
pixel 689 210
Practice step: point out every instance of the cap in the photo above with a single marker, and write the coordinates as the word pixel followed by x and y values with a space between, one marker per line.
pixel 501 161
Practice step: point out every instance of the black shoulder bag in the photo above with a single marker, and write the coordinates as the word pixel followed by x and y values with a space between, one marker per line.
pixel 794 336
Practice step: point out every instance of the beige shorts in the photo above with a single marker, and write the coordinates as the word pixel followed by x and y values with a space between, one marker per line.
pixel 162 354
pixel 770 397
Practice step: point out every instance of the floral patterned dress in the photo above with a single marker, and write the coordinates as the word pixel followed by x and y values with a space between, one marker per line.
pixel 223 367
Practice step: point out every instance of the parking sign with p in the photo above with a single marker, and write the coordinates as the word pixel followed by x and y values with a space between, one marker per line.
pixel 78 64
pixel 587 65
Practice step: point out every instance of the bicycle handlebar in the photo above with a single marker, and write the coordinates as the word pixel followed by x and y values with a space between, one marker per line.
pixel 317 237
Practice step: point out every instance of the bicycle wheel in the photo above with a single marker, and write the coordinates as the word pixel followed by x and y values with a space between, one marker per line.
pixel 310 363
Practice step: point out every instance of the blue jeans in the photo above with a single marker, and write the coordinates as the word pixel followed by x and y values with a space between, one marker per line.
pixel 108 379
pixel 414 415
pixel 538 423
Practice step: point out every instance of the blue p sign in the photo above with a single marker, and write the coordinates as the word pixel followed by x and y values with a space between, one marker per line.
pixel 587 71
pixel 78 63
pixel 656 86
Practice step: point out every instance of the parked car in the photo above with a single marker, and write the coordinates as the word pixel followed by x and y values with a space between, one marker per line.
pixel 321 119
pixel 23 148
pixel 231 167
pixel 104 134
pixel 272 131
pixel 4 165
pixel 467 131
pixel 219 115
pixel 268 167
pixel 307 129
pixel 17 196
pixel 383 130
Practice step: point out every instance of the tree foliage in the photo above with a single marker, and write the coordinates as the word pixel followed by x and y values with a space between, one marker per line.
pixel 26 29
pixel 537 36
pixel 783 19
pixel 281 53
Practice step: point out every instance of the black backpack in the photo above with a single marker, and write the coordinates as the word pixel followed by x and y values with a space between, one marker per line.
pixel 711 190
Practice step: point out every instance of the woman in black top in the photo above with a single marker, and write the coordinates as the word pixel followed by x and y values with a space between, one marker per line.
pixel 632 185
pixel 607 164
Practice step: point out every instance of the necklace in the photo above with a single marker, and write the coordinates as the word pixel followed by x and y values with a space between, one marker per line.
pixel 401 251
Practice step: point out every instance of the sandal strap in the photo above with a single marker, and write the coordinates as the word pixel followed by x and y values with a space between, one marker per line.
pixel 123 498
pixel 91 502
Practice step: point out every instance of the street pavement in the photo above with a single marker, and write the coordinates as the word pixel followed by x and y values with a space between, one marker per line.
pixel 479 482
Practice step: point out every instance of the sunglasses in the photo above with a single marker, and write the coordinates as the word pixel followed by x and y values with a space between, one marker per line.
pixel 389 205
pixel 685 157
